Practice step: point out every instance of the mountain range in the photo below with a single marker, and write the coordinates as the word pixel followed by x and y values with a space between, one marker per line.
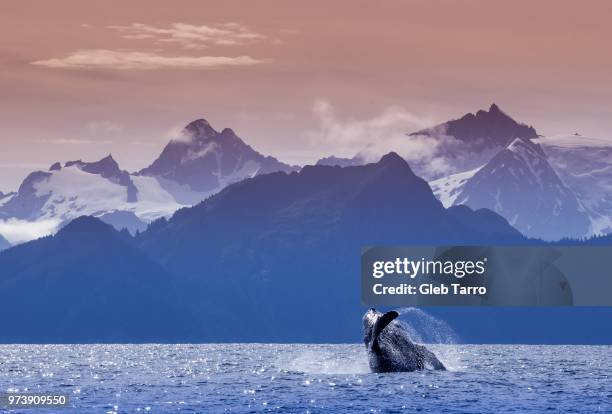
pixel 519 184
pixel 546 187
pixel 584 164
pixel 194 165
pixel 247 264
pixel 473 139
pixel 271 258
pixel 484 129
pixel 88 283
pixel 205 161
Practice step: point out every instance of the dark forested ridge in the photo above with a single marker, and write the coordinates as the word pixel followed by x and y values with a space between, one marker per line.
pixel 274 258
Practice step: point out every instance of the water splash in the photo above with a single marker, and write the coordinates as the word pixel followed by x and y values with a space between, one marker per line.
pixel 425 328
pixel 422 328
pixel 436 334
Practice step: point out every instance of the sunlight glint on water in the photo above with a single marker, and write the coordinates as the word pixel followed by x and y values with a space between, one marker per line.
pixel 307 378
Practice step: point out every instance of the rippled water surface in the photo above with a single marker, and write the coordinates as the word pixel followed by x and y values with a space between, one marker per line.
pixel 308 378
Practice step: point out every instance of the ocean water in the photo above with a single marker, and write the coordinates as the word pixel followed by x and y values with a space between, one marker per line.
pixel 302 378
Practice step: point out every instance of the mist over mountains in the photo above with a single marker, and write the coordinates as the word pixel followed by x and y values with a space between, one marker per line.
pixel 519 183
pixel 226 244
pixel 547 188
pixel 484 129
pixel 475 138
pixel 247 264
pixel 272 258
pixel 584 164
pixel 507 167
pixel 194 165
pixel 205 161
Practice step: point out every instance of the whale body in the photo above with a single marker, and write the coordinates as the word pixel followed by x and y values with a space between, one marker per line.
pixel 389 347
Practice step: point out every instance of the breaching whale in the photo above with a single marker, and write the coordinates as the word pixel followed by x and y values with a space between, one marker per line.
pixel 390 349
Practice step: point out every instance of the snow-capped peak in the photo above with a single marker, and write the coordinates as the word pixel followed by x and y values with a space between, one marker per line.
pixel 197 163
pixel 85 188
pixel 530 152
pixel 519 184
pixel 584 164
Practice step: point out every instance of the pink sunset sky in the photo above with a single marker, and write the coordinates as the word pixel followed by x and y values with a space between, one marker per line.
pixel 296 80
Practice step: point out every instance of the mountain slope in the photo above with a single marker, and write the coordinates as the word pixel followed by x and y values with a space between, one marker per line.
pixel 4 243
pixel 519 184
pixel 274 258
pixel 248 264
pixel 206 160
pixel 471 141
pixel 266 250
pixel 5 198
pixel 121 220
pixel 333 161
pixel 88 284
pixel 199 163
pixel 280 203
pixel 484 129
pixel 87 188
pixel 585 166
pixel 447 189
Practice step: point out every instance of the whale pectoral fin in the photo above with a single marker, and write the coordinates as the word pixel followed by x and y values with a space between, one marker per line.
pixel 383 321
pixel 381 324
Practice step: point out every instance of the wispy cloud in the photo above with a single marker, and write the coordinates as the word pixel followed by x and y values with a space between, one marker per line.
pixel 186 36
pixel 191 36
pixel 373 137
pixel 126 60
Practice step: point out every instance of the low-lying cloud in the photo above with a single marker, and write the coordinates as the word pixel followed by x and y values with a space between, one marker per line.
pixel 130 60
pixel 388 131
pixel 20 231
